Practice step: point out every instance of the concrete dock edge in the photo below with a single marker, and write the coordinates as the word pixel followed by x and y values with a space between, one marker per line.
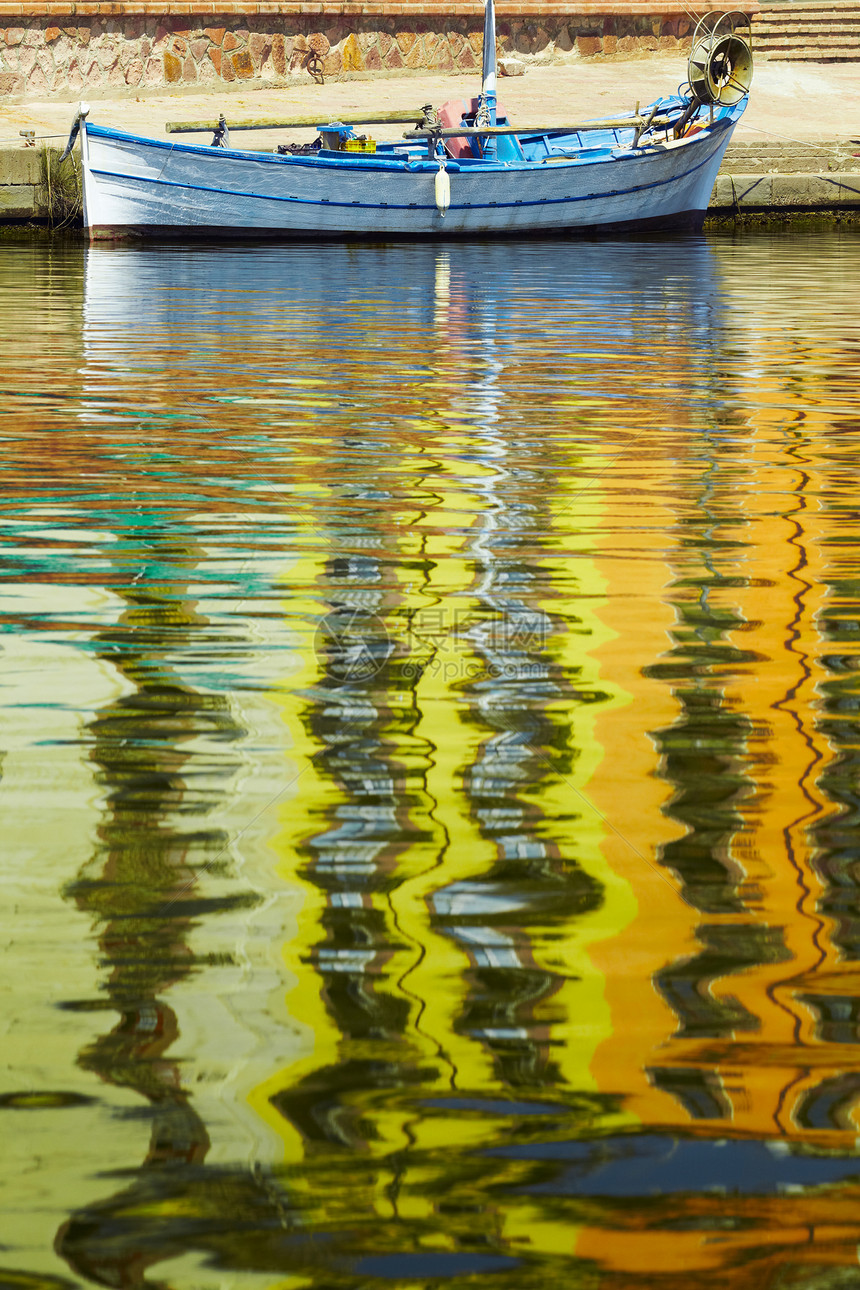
pixel 36 189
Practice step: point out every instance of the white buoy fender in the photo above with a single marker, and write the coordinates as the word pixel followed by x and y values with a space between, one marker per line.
pixel 443 189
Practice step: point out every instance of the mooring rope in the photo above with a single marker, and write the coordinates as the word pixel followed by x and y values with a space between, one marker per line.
pixel 801 143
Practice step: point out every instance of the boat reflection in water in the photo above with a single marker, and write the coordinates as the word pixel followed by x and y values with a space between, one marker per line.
pixel 471 882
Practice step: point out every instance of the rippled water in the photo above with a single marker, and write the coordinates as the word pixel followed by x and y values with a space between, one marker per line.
pixel 429 765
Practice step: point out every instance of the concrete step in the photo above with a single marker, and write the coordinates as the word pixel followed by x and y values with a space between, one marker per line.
pixel 800 192
pixel 791 14
pixel 789 10
pixel 768 157
pixel 823 28
pixel 826 32
pixel 843 54
pixel 817 34
pixel 838 41
pixel 830 41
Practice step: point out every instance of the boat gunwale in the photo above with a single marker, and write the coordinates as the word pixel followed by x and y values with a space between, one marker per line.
pixel 370 162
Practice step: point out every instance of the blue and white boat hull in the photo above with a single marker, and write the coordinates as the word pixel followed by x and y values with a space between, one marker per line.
pixel 134 185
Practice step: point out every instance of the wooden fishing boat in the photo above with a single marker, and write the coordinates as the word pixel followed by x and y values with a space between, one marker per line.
pixel 463 170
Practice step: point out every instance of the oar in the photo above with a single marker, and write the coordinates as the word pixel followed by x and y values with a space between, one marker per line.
pixel 613 123
pixel 297 122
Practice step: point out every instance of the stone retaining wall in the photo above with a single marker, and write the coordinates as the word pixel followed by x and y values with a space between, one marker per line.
pixel 63 49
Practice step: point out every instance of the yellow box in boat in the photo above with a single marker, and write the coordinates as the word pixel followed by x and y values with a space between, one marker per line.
pixel 359 145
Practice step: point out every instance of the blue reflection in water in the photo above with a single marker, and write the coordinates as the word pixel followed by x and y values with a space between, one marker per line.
pixel 650 1164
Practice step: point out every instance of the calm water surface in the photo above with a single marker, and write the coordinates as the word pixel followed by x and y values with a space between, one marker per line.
pixel 429 742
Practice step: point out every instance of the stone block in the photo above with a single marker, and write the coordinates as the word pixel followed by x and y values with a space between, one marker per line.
pixel 229 43
pixel 753 190
pixel 849 191
pixel 722 195
pixel 172 68
pixel 228 72
pixel 27 59
pixel 134 72
pixel 564 40
pixel 18 202
pixel 242 64
pixel 38 83
pixel 10 83
pixel 14 35
pixel 215 34
pixel 279 55
pixel 259 47
pixel 610 46
pixel 154 71
pixel 51 34
pixel 511 67
pixel 394 61
pixel 216 56
pixel 20 166
pixel 589 46
pixel 180 46
pixel 806 190
pixel 415 57
pixel 353 59
pixel 373 60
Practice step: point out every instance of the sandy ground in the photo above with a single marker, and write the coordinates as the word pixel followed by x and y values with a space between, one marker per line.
pixel 788 101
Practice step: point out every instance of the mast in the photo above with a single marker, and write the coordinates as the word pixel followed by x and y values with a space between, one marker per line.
pixel 486 114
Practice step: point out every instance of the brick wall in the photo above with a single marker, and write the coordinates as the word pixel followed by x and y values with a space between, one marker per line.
pixel 64 49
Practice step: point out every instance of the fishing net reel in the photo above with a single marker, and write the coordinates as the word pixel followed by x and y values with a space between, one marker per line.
pixel 720 69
